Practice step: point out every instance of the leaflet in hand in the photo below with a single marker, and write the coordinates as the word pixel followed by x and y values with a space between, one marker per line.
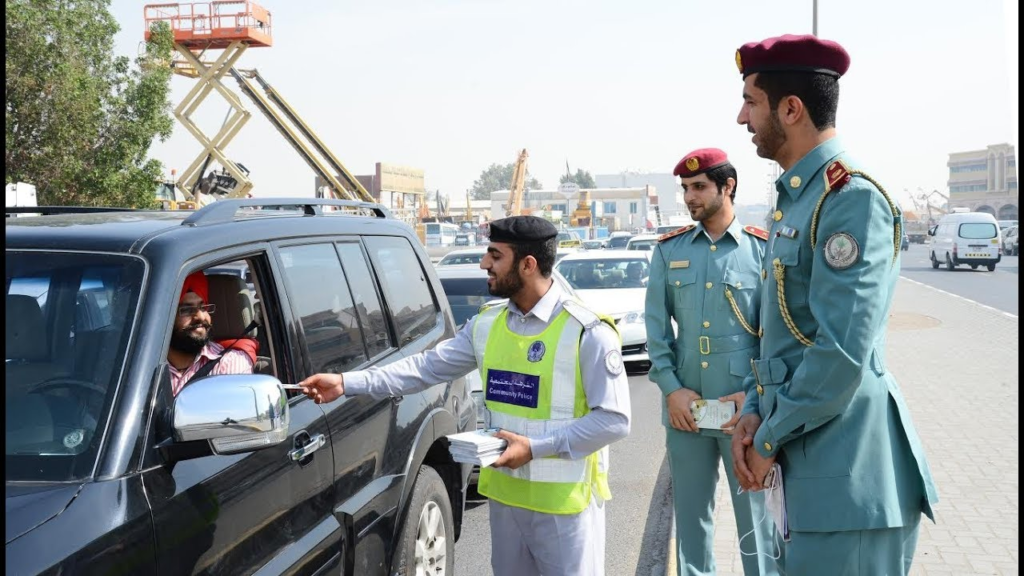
pixel 479 447
pixel 712 413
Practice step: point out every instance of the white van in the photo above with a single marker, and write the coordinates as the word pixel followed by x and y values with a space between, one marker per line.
pixel 970 238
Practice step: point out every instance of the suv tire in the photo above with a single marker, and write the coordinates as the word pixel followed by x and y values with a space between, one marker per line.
pixel 426 542
pixel 949 263
pixel 935 263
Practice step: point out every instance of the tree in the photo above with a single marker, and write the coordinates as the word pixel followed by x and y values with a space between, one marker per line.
pixel 79 121
pixel 582 178
pixel 499 177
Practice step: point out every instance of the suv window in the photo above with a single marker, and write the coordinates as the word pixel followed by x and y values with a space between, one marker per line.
pixel 371 316
pixel 405 286
pixel 323 305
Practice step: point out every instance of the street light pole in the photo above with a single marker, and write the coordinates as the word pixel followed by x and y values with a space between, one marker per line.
pixel 814 24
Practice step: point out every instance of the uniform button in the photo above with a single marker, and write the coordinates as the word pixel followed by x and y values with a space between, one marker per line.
pixel 713 247
pixel 677 282
pixel 768 447
pixel 764 274
pixel 760 389
pixel 777 216
pixel 708 285
pixel 707 324
pixel 703 364
pixel 794 182
pixel 739 284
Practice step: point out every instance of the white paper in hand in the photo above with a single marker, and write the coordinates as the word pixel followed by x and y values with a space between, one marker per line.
pixel 712 413
pixel 479 447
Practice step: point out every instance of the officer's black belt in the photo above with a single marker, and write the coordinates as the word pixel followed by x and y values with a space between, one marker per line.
pixel 725 344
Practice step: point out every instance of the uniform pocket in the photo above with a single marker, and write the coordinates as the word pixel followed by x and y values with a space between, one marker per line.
pixel 743 287
pixel 789 253
pixel 681 283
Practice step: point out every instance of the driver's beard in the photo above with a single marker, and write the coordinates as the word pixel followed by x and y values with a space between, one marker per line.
pixel 185 341
pixel 506 286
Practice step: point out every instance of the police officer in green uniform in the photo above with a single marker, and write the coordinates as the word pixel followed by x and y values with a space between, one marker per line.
pixel 705 278
pixel 826 408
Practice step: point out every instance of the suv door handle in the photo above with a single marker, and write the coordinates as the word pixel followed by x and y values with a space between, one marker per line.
pixel 302 452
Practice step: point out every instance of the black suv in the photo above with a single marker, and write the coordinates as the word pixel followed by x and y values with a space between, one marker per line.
pixel 109 473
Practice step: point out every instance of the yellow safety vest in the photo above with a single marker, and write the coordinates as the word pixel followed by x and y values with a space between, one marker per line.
pixel 532 386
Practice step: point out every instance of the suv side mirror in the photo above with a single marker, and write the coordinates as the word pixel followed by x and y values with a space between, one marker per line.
pixel 235 413
pixel 931 231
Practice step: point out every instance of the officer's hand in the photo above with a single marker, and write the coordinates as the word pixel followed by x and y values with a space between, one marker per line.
pixel 759 467
pixel 323 387
pixel 517 452
pixel 679 415
pixel 737 399
pixel 742 440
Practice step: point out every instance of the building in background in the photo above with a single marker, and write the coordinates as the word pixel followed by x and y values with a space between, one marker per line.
pixel 399 188
pixel 628 209
pixel 668 204
pixel 985 181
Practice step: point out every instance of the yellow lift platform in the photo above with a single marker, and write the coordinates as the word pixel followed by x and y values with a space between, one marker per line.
pixel 234 26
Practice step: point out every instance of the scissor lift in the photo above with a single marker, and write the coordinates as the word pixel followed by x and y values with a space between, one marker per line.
pixel 234 26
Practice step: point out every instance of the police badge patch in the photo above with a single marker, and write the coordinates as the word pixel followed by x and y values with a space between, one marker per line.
pixel 613 362
pixel 536 351
pixel 841 251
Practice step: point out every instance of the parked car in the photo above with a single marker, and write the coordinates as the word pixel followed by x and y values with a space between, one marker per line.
pixel 1011 241
pixel 464 239
pixel 593 244
pixel 642 242
pixel 614 282
pixel 465 256
pixel 970 238
pixel 617 240
pixel 109 472
pixel 569 239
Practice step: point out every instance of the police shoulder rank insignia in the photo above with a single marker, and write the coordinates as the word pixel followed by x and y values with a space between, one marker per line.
pixel 613 362
pixel 536 351
pixel 675 233
pixel 836 176
pixel 841 251
pixel 756 231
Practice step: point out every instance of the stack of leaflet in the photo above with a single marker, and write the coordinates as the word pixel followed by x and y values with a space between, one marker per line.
pixel 479 447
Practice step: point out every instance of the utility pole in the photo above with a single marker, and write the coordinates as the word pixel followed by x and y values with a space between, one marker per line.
pixel 814 24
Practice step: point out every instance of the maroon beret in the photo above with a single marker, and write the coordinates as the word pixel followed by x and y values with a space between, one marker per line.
pixel 792 53
pixel 699 162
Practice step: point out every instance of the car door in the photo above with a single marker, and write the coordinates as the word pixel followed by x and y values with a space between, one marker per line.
pixel 258 512
pixel 340 326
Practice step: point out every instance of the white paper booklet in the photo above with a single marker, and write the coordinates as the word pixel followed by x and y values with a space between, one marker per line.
pixel 479 447
pixel 712 413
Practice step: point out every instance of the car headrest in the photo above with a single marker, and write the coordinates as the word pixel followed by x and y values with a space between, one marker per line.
pixel 26 332
pixel 234 307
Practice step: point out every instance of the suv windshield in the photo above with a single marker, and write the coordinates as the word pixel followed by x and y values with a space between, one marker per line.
pixel 69 316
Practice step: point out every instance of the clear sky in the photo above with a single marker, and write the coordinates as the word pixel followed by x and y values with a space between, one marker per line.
pixel 451 86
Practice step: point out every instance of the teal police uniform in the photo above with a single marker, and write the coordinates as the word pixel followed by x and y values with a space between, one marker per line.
pixel 712 290
pixel 855 476
pixel 831 412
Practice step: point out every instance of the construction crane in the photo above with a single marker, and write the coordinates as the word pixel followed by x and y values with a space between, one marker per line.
pixel 232 27
pixel 517 186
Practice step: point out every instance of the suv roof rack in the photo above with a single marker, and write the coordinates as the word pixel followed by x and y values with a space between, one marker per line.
pixel 49 210
pixel 224 210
